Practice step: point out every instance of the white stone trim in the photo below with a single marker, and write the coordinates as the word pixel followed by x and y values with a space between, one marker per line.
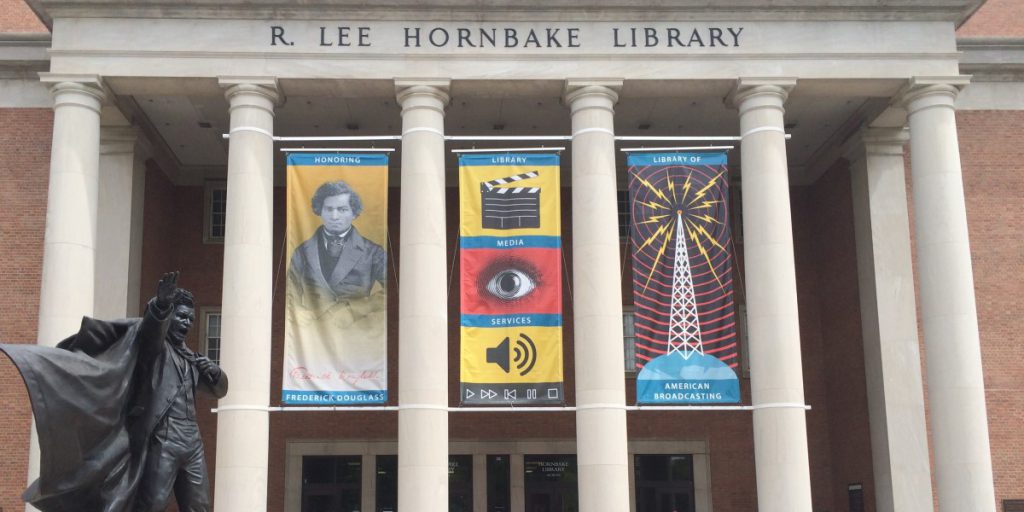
pixel 780 405
pixel 763 129
pixel 593 130
pixel 423 129
pixel 251 129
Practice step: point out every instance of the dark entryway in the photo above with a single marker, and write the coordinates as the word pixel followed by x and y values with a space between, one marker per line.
pixel 331 483
pixel 664 483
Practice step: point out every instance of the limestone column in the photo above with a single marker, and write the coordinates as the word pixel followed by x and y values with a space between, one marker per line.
pixel 776 373
pixel 956 388
pixel 899 437
pixel 114 227
pixel 602 457
pixel 242 421
pixel 422 303
pixel 69 243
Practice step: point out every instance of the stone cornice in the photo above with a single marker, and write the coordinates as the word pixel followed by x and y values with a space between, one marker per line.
pixel 24 52
pixel 956 11
pixel 998 59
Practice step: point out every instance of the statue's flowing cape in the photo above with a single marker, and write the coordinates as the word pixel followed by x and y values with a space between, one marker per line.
pixel 82 394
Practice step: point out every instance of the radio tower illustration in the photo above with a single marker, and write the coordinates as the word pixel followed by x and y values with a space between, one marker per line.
pixel 684 325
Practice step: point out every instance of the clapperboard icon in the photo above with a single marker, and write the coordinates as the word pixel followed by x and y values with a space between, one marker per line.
pixel 510 207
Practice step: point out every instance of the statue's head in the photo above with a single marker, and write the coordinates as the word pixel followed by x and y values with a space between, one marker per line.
pixel 337 205
pixel 182 317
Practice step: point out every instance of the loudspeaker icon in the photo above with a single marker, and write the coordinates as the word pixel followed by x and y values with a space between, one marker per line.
pixel 523 354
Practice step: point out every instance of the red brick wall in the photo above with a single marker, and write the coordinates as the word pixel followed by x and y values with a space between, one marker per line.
pixel 997 18
pixel 16 16
pixel 24 176
pixel 992 156
pixel 827 272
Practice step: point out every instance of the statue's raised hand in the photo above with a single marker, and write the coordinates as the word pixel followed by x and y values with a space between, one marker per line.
pixel 166 289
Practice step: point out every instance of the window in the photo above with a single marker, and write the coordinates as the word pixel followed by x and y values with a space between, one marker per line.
pixel 499 483
pixel 629 339
pixel 215 198
pixel 211 334
pixel 624 215
pixel 387 483
pixel 460 483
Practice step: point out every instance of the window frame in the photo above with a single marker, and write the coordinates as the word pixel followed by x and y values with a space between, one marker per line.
pixel 210 187
pixel 628 310
pixel 204 342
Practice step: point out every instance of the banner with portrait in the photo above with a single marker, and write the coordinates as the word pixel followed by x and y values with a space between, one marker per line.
pixel 335 349
pixel 511 279
pixel 685 321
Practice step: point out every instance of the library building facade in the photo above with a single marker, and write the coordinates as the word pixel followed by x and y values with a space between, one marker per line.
pixel 482 256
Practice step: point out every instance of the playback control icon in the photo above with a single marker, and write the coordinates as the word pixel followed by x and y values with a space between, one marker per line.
pixel 524 393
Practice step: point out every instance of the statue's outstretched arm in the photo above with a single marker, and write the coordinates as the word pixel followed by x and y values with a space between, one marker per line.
pixel 158 311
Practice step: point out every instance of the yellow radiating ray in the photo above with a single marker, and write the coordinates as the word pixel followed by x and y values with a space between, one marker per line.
pixel 686 188
pixel 695 231
pixel 654 236
pixel 659 193
pixel 702 230
pixel 707 218
pixel 661 251
pixel 654 205
pixel 672 187
pixel 705 205
pixel 652 220
pixel 700 193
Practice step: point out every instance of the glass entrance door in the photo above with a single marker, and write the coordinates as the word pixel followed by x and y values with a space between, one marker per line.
pixel 551 483
pixel 664 483
pixel 331 483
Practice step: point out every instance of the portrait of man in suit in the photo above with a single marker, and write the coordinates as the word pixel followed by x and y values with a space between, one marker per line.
pixel 336 265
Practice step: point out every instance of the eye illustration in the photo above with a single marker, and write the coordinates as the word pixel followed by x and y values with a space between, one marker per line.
pixel 510 284
pixel 508 279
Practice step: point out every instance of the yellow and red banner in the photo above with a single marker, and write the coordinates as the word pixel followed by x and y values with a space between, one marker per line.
pixel 335 349
pixel 511 279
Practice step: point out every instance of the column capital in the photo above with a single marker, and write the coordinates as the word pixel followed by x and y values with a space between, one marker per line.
pixel 886 141
pixel 76 89
pixel 876 141
pixel 254 91
pixel 604 90
pixel 414 93
pixel 921 92
pixel 117 139
pixel 773 89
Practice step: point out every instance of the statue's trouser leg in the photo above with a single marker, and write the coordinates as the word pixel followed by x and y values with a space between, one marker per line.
pixel 192 488
pixel 166 455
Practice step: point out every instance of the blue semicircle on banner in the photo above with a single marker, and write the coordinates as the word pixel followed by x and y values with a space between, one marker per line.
pixel 701 379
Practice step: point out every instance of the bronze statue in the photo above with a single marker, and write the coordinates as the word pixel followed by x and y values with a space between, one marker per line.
pixel 115 411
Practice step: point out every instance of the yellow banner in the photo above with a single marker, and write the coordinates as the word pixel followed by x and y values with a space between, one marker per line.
pixel 511 293
pixel 336 293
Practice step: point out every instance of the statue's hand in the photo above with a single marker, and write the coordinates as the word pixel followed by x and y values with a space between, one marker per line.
pixel 166 289
pixel 207 367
